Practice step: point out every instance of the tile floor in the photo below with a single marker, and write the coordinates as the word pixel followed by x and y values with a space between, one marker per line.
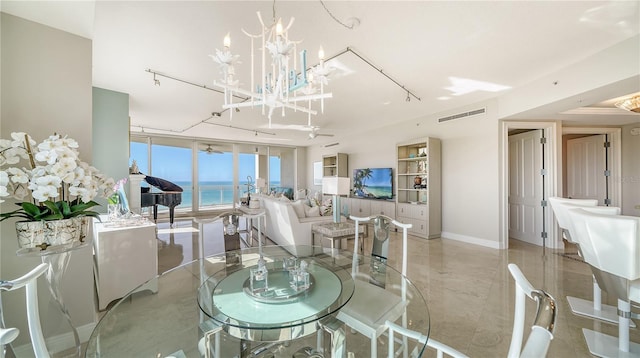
pixel 468 288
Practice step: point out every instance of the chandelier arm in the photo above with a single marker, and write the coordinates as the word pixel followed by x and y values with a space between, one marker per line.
pixel 310 97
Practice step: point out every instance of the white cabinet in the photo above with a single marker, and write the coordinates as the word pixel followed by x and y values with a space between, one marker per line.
pixel 335 165
pixel 124 258
pixel 383 207
pixel 368 207
pixel 360 207
pixel 418 186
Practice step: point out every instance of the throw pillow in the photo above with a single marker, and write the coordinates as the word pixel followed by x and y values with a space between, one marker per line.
pixel 299 208
pixel 312 211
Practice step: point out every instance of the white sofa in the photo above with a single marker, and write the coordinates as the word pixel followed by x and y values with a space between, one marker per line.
pixel 283 225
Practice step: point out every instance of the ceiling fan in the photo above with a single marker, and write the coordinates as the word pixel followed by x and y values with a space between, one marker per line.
pixel 314 133
pixel 209 150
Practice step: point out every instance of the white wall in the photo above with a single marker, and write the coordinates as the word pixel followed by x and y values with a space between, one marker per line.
pixel 630 170
pixel 110 135
pixel 469 167
pixel 470 146
pixel 46 88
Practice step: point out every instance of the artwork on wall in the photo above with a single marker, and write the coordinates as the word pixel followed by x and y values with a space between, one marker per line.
pixel 317 173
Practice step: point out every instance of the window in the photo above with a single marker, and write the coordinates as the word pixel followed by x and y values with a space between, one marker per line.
pixel 215 175
pixel 220 169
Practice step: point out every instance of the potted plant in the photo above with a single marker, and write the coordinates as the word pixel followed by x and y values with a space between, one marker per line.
pixel 53 187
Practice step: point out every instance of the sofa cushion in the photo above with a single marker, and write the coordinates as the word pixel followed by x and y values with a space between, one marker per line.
pixel 311 211
pixel 299 208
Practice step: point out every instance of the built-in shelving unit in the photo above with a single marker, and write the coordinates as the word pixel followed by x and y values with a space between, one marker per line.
pixel 335 165
pixel 418 189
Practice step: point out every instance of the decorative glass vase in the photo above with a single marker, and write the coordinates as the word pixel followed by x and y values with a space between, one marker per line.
pixel 51 233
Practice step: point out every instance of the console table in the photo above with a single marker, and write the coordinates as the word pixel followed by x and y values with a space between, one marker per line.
pixel 125 257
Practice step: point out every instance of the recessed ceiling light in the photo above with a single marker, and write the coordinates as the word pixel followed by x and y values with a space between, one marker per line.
pixel 444 98
pixel 386 103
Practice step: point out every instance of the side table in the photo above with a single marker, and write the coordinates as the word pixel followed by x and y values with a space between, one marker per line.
pixel 335 232
pixel 57 258
pixel 250 214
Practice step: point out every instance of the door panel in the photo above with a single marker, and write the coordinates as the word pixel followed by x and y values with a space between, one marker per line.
pixel 586 167
pixel 525 187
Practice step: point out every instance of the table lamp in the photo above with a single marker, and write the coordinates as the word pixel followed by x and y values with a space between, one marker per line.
pixel 336 186
pixel 261 183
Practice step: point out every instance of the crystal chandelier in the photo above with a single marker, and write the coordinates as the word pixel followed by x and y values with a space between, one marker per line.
pixel 282 83
pixel 630 104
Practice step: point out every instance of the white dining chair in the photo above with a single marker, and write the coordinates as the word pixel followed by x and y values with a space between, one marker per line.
pixel 7 335
pixel 537 344
pixel 29 281
pixel 594 309
pixel 370 299
pixel 612 250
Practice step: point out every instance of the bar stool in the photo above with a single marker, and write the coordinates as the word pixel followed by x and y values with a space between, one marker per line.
pixel 611 247
pixel 593 309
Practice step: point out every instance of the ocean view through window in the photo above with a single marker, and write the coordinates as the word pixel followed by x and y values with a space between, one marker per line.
pixel 172 159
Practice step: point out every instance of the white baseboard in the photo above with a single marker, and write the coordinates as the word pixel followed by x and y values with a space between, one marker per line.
pixel 471 240
pixel 57 344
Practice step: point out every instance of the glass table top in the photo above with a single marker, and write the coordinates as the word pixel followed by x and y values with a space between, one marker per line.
pixel 225 297
pixel 209 292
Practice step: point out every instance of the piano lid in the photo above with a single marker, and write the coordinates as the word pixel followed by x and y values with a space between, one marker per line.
pixel 162 184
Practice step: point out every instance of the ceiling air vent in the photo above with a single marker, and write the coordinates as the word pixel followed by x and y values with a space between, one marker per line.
pixel 462 115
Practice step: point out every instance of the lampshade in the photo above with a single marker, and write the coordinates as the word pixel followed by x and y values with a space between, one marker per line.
pixel 335 185
pixel 261 183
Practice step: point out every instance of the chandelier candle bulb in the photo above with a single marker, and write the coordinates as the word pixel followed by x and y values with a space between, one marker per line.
pixel 227 41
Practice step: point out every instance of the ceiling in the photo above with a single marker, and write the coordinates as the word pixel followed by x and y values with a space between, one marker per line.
pixel 449 54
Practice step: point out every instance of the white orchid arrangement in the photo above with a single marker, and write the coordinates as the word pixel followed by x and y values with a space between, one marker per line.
pixel 55 185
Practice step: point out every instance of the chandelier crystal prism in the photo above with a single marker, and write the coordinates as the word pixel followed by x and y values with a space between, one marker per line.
pixel 282 84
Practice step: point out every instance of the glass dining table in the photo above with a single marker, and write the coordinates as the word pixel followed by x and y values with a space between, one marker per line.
pixel 273 301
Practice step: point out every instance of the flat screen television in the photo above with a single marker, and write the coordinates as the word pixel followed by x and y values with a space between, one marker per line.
pixel 373 183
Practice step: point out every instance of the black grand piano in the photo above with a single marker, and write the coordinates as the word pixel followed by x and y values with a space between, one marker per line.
pixel 171 196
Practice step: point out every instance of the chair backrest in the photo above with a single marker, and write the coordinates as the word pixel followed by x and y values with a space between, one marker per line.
pixel 537 344
pixel 614 241
pixel 380 246
pixel 560 207
pixel 29 281
pixel 544 323
pixel 381 237
pixel 7 335
pixel 430 342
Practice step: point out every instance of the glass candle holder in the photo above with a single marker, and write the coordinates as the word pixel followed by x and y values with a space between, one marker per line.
pixel 259 280
pixel 299 280
pixel 289 263
pixel 113 211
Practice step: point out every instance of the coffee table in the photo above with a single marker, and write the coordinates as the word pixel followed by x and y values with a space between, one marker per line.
pixel 336 231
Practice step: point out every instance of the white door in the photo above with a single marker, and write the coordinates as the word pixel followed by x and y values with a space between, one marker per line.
pixel 586 165
pixel 525 187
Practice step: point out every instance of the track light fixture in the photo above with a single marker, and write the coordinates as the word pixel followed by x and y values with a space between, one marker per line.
pixel 155 80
